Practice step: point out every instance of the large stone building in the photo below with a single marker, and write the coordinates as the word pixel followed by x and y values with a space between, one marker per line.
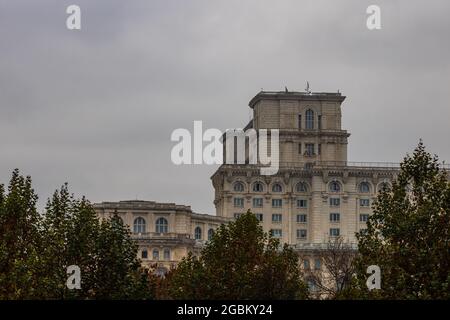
pixel 316 194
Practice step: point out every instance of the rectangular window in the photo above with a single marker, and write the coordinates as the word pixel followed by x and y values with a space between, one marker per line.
pixel 319 122
pixel 335 217
pixel 301 233
pixel 335 202
pixel 299 121
pixel 317 264
pixel 363 217
pixel 364 202
pixel 309 149
pixel 319 149
pixel 239 202
pixel 334 232
pixel 257 202
pixel 276 233
pixel 276 217
pixel 259 216
pixel 299 148
pixel 302 203
pixel 237 215
pixel 277 203
pixel 306 264
pixel 301 218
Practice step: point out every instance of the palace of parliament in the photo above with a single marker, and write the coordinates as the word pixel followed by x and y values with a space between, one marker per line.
pixel 316 194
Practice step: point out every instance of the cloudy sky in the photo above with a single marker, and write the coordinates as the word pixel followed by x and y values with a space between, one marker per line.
pixel 96 107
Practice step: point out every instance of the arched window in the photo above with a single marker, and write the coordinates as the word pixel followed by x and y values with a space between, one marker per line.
pixel 364 187
pixel 277 188
pixel 301 187
pixel 335 186
pixel 166 254
pixel 238 187
pixel 210 234
pixel 155 254
pixel 384 186
pixel 161 225
pixel 139 225
pixel 258 187
pixel 309 115
pixel 198 233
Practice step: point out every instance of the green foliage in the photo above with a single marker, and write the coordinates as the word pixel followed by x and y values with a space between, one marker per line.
pixel 239 262
pixel 408 235
pixel 36 250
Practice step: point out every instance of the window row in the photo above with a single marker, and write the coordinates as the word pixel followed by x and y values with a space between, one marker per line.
pixel 156 254
pixel 276 187
pixel 161 225
pixel 276 203
pixel 301 187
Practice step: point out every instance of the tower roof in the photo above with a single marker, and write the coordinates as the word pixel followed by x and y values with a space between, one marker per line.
pixel 296 95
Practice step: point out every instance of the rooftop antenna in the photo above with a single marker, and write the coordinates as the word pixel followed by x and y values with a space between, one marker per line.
pixel 308 90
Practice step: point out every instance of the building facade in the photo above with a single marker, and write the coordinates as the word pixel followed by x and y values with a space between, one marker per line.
pixel 316 194
pixel 164 232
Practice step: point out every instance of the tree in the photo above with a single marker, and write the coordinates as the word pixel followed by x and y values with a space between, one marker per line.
pixel 20 239
pixel 35 250
pixel 239 262
pixel 408 236
pixel 334 277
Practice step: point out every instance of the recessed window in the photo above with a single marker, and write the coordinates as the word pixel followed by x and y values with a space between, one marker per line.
pixel 301 233
pixel 306 263
pixel 259 216
pixel 309 149
pixel 301 187
pixel 276 217
pixel 238 202
pixel 198 233
pixel 364 202
pixel 299 148
pixel 139 225
pixel 144 254
pixel 276 233
pixel 317 264
pixel 155 254
pixel 319 122
pixel 277 188
pixel 302 203
pixel 238 187
pixel 277 203
pixel 309 115
pixel 167 254
pixel 334 232
pixel 335 217
pixel 335 202
pixel 210 234
pixel 257 202
pixel 363 217
pixel 335 186
pixel 301 218
pixel 319 149
pixel 258 187
pixel 384 186
pixel 299 121
pixel 161 225
pixel 364 187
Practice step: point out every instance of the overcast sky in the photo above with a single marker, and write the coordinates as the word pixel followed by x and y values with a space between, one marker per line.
pixel 96 107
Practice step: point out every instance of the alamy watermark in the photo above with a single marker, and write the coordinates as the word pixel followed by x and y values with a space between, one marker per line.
pixel 241 147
